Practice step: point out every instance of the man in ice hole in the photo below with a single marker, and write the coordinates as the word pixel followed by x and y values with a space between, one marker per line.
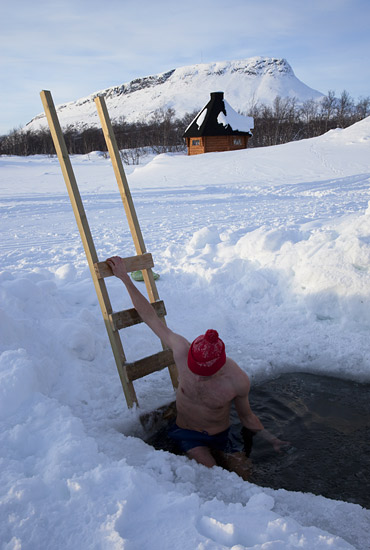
pixel 209 382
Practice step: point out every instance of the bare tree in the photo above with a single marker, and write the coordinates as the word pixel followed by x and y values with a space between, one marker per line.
pixel 363 107
pixel 328 107
pixel 284 121
pixel 344 108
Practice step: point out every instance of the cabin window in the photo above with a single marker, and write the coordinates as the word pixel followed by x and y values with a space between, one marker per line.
pixel 195 142
pixel 237 141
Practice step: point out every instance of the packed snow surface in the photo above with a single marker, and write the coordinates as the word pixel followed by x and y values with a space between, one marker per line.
pixel 271 247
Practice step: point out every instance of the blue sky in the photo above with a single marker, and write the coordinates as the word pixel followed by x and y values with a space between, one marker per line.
pixel 75 48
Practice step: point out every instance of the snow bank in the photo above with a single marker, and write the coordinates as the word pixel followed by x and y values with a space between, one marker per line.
pixel 288 290
pixel 271 247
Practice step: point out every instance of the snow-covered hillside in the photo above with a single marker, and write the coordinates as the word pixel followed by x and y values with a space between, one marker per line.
pixel 245 83
pixel 271 247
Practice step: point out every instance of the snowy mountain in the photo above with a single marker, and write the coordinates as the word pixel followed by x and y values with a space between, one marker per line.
pixel 186 89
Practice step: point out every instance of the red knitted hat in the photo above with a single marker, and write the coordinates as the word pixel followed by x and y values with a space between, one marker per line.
pixel 206 354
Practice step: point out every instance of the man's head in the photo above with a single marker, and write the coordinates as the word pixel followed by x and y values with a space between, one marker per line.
pixel 206 354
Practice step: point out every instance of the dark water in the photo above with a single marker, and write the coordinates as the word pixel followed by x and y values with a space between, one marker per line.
pixel 327 422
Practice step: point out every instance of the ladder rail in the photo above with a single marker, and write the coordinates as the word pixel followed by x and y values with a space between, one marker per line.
pixel 130 210
pixel 88 243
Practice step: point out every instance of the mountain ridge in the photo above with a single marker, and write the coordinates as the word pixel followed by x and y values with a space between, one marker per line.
pixel 245 82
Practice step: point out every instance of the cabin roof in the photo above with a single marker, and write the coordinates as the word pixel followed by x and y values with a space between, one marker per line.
pixel 218 118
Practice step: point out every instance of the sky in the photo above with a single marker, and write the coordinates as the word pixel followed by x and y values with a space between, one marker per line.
pixel 76 47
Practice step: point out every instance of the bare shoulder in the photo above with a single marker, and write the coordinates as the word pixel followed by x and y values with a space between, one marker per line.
pixel 178 344
pixel 171 339
pixel 239 377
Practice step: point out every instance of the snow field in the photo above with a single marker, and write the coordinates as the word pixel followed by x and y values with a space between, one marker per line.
pixel 270 247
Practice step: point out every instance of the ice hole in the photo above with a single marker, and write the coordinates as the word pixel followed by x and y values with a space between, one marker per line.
pixel 327 422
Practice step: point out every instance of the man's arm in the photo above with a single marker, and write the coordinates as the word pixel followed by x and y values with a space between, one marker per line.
pixel 246 415
pixel 242 405
pixel 144 308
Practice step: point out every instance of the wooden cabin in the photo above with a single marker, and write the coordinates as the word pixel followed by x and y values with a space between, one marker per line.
pixel 217 127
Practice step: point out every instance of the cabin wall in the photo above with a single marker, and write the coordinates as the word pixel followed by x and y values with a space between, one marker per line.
pixel 195 145
pixel 212 144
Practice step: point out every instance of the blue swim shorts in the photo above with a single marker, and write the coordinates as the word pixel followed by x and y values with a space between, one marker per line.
pixel 188 439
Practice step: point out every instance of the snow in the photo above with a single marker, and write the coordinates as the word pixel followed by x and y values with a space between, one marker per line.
pixel 200 118
pixel 235 120
pixel 271 247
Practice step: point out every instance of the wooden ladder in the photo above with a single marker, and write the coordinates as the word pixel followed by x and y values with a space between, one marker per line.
pixel 114 321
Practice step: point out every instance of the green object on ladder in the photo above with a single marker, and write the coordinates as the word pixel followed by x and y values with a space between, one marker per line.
pixel 138 275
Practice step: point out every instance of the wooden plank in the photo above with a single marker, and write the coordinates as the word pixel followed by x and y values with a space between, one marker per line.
pixel 129 209
pixel 68 175
pixel 125 193
pixel 87 241
pixel 148 365
pixel 130 317
pixel 132 263
pixel 120 175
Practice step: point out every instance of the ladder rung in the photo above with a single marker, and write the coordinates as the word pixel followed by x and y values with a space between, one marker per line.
pixel 132 263
pixel 129 317
pixel 147 365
